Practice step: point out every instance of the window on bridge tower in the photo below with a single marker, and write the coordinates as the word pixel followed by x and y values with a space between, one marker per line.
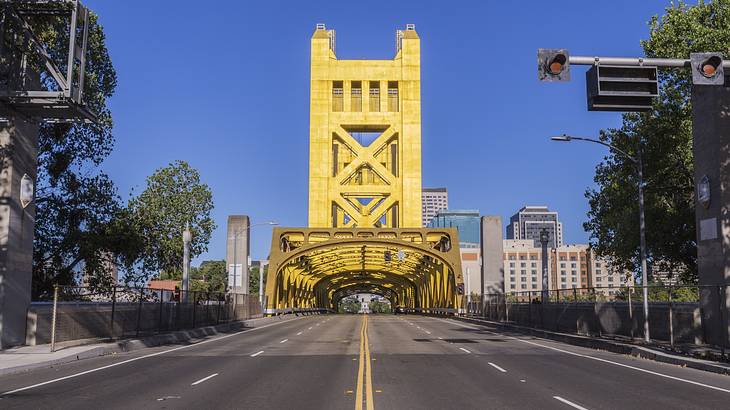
pixel 393 96
pixel 337 96
pixel 374 96
pixel 356 96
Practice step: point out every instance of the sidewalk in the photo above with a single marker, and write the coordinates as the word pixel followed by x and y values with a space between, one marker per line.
pixel 657 352
pixel 24 358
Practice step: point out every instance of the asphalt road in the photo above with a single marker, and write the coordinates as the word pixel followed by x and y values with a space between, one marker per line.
pixel 368 362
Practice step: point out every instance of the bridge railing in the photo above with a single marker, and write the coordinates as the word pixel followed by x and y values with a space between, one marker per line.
pixel 78 312
pixel 676 315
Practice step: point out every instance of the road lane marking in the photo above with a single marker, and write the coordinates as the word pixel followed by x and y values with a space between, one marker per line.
pixel 71 376
pixel 299 333
pixel 441 338
pixel 257 353
pixel 639 369
pixel 569 403
pixel 465 350
pixel 284 341
pixel 204 379
pixel 428 332
pixel 364 371
pixel 310 328
pixel 497 367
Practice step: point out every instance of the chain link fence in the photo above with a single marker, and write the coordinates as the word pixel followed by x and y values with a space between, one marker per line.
pixel 78 312
pixel 678 314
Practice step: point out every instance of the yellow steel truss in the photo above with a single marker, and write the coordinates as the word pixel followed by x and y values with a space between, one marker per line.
pixel 315 268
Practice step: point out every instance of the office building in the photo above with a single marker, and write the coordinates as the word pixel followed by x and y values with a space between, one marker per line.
pixel 433 200
pixel 529 221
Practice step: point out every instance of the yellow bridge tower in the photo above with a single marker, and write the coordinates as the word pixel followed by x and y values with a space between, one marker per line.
pixel 365 136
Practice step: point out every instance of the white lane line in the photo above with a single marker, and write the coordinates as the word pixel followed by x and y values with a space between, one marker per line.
pixel 464 350
pixel 497 367
pixel 299 333
pixel 569 403
pixel 284 341
pixel 441 338
pixel 71 376
pixel 428 332
pixel 204 379
pixel 638 369
pixel 257 353
pixel 310 328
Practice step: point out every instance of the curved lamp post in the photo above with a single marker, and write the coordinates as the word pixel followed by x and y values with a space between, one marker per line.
pixel 642 227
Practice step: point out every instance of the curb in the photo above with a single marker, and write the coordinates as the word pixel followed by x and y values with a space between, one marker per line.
pixel 129 345
pixel 611 346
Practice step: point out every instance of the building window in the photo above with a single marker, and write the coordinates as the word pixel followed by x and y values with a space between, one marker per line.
pixel 573 258
pixel 511 264
pixel 534 286
pixel 512 257
pixel 533 265
pixel 337 99
pixel 523 272
pixel 356 96
pixel 523 264
pixel 523 286
pixel 511 286
pixel 573 272
pixel 572 265
pixel 512 272
pixel 534 272
pixel 598 271
pixel 562 265
pixel 562 258
pixel 562 272
pixel 374 96
pixel 563 279
pixel 393 96
pixel 523 258
pixel 533 257
pixel 599 279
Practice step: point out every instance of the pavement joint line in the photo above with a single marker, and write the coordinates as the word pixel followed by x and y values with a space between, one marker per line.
pixel 204 379
pixel 497 367
pixel 569 403
pixel 466 350
pixel 257 353
pixel 594 358
pixel 284 341
pixel 134 359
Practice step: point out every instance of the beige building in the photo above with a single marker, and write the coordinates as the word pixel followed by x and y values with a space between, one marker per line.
pixel 432 201
pixel 570 266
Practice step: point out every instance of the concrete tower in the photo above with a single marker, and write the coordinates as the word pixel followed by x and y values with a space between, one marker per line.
pixel 365 136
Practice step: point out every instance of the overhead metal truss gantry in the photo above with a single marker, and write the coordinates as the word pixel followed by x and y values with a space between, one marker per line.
pixel 417 268
pixel 36 80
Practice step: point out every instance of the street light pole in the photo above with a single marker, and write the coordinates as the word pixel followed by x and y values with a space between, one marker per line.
pixel 187 238
pixel 642 226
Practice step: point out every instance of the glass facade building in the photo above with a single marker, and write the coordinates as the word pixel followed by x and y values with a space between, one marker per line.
pixel 466 221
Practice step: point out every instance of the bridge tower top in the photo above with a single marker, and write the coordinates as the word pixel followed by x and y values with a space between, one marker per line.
pixel 365 136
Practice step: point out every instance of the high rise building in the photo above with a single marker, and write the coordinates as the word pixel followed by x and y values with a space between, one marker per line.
pixel 530 220
pixel 433 200
pixel 466 222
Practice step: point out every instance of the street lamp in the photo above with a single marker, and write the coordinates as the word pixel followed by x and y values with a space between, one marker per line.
pixel 642 227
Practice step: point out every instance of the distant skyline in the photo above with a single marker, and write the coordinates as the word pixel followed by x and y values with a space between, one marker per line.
pixel 209 84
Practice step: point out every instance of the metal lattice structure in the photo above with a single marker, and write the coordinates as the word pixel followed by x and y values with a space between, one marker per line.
pixel 37 82
pixel 315 268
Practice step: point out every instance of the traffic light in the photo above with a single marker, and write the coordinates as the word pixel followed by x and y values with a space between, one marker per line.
pixel 621 88
pixel 553 64
pixel 707 69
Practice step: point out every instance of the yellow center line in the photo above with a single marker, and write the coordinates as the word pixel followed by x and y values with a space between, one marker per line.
pixel 360 370
pixel 369 380
pixel 364 371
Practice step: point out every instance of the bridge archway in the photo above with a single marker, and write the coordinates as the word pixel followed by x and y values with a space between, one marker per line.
pixel 315 268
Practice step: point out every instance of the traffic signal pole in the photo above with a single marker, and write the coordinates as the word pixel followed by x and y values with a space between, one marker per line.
pixel 636 61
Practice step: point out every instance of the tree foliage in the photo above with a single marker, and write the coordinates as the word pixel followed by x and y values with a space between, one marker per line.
pixel 174 197
pixel 80 224
pixel 210 276
pixel 663 136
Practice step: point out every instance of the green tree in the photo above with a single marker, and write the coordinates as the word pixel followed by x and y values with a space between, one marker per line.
pixel 174 197
pixel 664 138
pixel 210 276
pixel 80 226
pixel 253 280
pixel 349 304
pixel 380 306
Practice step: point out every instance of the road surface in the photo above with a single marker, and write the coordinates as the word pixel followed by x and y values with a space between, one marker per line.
pixel 368 362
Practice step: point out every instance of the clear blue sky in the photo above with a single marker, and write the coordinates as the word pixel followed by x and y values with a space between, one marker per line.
pixel 224 85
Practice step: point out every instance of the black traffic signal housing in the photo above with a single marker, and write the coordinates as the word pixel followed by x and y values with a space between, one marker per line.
pixel 707 69
pixel 553 64
pixel 621 88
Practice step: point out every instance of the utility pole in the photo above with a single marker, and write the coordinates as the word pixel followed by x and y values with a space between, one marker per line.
pixel 187 237
pixel 544 240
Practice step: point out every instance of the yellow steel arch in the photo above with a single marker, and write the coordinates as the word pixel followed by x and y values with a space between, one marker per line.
pixel 313 267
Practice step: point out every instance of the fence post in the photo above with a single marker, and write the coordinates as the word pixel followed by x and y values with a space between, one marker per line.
pixel 139 310
pixel 195 296
pixel 218 315
pixel 671 324
pixel 159 319
pixel 631 315
pixel 722 321
pixel 53 318
pixel 114 309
